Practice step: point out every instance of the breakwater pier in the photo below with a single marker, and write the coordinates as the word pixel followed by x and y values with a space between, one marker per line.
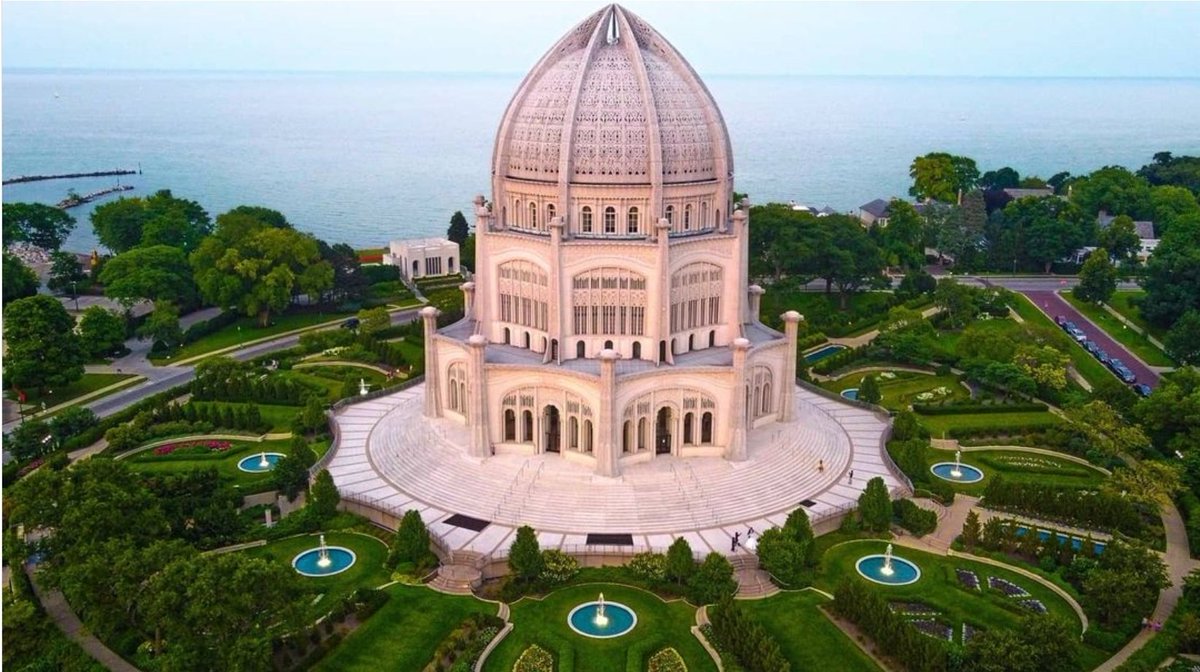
pixel 67 176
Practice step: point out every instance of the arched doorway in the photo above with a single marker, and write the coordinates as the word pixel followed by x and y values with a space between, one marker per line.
pixel 580 350
pixel 691 342
pixel 507 336
pixel 527 345
pixel 712 338
pixel 662 431
pixel 637 350
pixel 416 266
pixel 552 428
pixel 554 349
pixel 662 351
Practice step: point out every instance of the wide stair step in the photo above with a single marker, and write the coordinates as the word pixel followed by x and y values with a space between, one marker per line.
pixel 457 579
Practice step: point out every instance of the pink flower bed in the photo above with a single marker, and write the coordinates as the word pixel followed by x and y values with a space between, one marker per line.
pixel 212 445
pixel 31 466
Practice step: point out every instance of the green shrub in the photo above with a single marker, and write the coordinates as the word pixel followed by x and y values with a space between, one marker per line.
pixel 712 580
pixel 525 556
pixel 558 567
pixel 667 660
pixel 913 518
pixel 649 566
pixel 735 631
pixel 534 659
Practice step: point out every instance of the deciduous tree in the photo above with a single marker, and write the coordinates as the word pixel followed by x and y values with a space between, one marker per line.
pixel 1172 279
pixel 525 555
pixel 101 331
pixel 43 348
pixel 19 280
pixel 162 325
pixel 1115 190
pixel 154 273
pixel 1183 340
pixel 66 273
pixel 875 506
pixel 1120 238
pixel 1097 278
pixel 42 225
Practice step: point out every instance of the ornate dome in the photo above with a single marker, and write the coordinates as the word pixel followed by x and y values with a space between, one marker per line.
pixel 613 103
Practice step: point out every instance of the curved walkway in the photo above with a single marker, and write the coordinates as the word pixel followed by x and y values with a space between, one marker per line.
pixel 60 612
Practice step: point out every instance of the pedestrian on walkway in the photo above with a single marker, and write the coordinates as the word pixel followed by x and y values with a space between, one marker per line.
pixel 851 475
pixel 733 546
pixel 820 465
pixel 1145 622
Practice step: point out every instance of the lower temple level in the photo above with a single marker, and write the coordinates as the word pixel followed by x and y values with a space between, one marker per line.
pixel 390 457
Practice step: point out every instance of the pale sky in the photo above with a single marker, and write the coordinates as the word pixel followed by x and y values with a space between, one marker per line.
pixel 756 38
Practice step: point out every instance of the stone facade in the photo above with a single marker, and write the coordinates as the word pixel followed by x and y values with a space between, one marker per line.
pixel 423 257
pixel 610 318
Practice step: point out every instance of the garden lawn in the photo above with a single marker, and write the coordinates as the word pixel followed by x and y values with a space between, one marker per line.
pixel 1019 467
pixel 1137 343
pixel 940 425
pixel 332 377
pixel 1123 303
pixel 823 312
pixel 404 634
pixel 810 641
pixel 279 417
pixel 901 392
pixel 1088 366
pixel 656 619
pixel 86 384
pixel 225 462
pixel 246 329
pixel 940 588
pixel 367 572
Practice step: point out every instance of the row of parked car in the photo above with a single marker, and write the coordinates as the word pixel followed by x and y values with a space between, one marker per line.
pixel 1117 366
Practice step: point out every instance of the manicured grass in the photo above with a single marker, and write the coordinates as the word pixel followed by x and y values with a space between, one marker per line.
pixel 670 621
pixel 901 392
pixel 367 572
pixel 940 588
pixel 1123 303
pixel 279 417
pixel 1137 343
pixel 810 641
pixel 86 384
pixel 1087 365
pixel 938 425
pixel 404 634
pixel 1019 467
pixel 247 329
pixel 822 311
pixel 225 463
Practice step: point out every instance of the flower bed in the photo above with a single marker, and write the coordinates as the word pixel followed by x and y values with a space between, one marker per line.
pixel 912 608
pixel 31 466
pixel 201 446
pixel 1035 606
pixel 967 578
pixel 1007 587
pixel 935 629
pixel 667 660
pixel 968 631
pixel 534 659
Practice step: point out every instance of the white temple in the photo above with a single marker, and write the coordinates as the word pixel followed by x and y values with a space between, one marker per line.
pixel 610 319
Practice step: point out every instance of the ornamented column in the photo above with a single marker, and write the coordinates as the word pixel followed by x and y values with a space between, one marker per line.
pixel 477 420
pixel 468 290
pixel 736 451
pixel 662 232
pixel 433 378
pixel 741 230
pixel 755 293
pixel 606 447
pixel 791 327
pixel 557 300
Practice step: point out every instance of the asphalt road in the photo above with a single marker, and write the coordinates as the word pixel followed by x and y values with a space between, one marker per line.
pixel 1053 304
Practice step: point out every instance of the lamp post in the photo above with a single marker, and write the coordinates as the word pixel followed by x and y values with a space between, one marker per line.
pixel 75 295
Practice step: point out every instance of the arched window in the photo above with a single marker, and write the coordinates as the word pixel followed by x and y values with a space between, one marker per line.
pixel 532 215
pixel 703 223
pixel 527 345
pixel 688 431
pixel 510 425
pixel 587 436
pixel 608 345
pixel 573 433
pixel 580 349
pixel 641 442
pixel 507 336
pixel 631 220
pixel 518 213
pixel 637 350
pixel 527 420
pixel 766 400
pixel 691 342
pixel 453 396
pixel 456 376
pixel 627 436
pixel 712 339
pixel 669 213
pixel 706 427
pixel 687 217
pixel 550 212
pixel 610 220
pixel 450 264
pixel 585 220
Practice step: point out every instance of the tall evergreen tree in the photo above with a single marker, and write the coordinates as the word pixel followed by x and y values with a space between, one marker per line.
pixel 459 229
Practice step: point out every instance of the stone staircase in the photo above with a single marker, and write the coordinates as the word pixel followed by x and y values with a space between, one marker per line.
pixel 753 582
pixel 457 579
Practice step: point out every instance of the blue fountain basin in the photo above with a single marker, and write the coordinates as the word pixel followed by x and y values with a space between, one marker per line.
pixel 308 563
pixel 621 620
pixel 253 463
pixel 1076 542
pixel 823 353
pixel 851 393
pixel 903 571
pixel 967 473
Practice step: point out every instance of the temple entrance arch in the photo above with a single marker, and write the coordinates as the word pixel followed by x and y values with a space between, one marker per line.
pixel 663 426
pixel 551 430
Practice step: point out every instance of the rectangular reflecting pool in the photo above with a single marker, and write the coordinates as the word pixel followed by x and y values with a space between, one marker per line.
pixel 823 353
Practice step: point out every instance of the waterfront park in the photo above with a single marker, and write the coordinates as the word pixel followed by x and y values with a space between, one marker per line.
pixel 846 442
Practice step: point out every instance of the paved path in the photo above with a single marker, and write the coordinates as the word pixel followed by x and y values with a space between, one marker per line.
pixel 60 612
pixel 1052 304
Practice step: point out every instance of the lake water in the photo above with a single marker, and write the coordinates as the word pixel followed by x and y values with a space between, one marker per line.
pixel 364 158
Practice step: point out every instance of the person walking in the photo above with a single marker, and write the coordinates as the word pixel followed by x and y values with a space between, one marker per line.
pixel 820 465
pixel 736 536
pixel 851 475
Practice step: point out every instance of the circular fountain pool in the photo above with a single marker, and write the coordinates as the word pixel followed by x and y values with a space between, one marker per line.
pixel 957 473
pixel 875 568
pixel 260 463
pixel 616 620
pixel 309 563
pixel 851 393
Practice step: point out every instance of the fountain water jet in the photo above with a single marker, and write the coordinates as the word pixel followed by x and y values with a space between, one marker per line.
pixel 324 561
pixel 262 461
pixel 887 570
pixel 601 619
pixel 957 470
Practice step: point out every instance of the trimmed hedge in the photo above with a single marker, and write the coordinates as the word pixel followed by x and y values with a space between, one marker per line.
pixel 913 518
pixel 866 608
pixel 1095 509
pixel 749 642
pixel 212 325
pixel 977 408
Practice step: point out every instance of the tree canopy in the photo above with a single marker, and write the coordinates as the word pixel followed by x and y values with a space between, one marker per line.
pixel 1097 278
pixel 258 268
pixel 159 219
pixel 1172 279
pixel 459 229
pixel 101 331
pixel 19 280
pixel 940 176
pixel 153 273
pixel 43 225
pixel 1115 190
pixel 43 348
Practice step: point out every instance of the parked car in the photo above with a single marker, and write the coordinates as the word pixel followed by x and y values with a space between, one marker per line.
pixel 1122 371
pixel 1060 320
pixel 1102 356
pixel 1142 389
pixel 351 323
pixel 1091 346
